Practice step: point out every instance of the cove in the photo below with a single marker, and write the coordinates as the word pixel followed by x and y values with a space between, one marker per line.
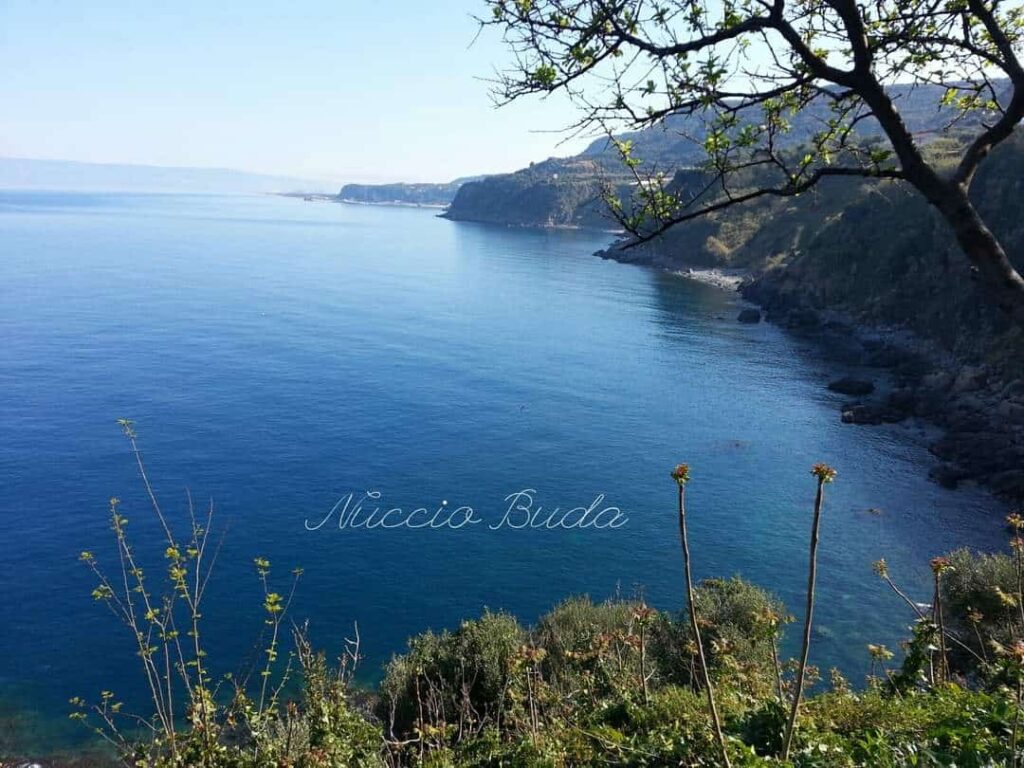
pixel 275 354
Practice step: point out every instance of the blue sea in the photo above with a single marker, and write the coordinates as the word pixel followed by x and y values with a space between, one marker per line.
pixel 277 355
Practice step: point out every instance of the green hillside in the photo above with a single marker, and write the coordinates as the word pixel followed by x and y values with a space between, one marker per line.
pixel 566 191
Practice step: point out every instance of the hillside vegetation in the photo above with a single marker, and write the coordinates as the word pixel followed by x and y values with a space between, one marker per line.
pixel 554 193
pixel 567 191
pixel 401 193
pixel 874 261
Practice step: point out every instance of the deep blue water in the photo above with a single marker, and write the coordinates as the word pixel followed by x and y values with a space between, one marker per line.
pixel 277 355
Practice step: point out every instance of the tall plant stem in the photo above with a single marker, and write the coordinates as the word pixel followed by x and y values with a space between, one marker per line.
pixel 694 626
pixel 981 657
pixel 643 663
pixel 812 575
pixel 778 671
pixel 943 663
pixel 1019 567
pixel 1016 720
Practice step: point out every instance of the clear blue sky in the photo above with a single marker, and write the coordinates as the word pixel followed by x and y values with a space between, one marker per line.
pixel 327 89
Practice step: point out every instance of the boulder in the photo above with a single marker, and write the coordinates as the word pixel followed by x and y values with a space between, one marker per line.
pixel 861 414
pixel 851 386
pixel 749 315
pixel 963 420
pixel 871 413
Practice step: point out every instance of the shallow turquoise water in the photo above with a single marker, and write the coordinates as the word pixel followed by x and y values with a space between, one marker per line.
pixel 277 355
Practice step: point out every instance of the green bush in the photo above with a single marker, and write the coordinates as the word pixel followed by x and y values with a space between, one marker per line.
pixel 453 681
pixel 592 647
pixel 739 624
pixel 979 597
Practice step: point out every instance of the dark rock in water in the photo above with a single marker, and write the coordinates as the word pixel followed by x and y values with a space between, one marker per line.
pixel 948 475
pixel 871 413
pixel 851 386
pixel 941 374
pixel 984 452
pixel 963 420
pixel 861 414
pixel 943 448
pixel 872 343
pixel 750 316
pixel 984 447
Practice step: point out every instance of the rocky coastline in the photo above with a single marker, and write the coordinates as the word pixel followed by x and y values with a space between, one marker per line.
pixel 980 415
pixel 726 279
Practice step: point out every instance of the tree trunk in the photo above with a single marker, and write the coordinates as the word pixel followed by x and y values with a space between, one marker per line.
pixel 983 250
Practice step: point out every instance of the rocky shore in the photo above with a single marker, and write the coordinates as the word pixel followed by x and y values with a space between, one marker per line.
pixel 726 279
pixel 981 415
pixel 874 275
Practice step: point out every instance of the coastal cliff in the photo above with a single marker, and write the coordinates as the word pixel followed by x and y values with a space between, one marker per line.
pixel 553 193
pixel 875 273
pixel 402 193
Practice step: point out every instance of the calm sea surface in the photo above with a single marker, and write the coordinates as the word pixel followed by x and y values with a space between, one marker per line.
pixel 278 355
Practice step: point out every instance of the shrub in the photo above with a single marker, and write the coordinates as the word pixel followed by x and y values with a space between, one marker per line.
pixel 739 624
pixel 452 683
pixel 591 646
pixel 980 596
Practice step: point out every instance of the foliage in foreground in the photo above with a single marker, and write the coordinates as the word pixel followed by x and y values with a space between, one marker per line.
pixel 591 684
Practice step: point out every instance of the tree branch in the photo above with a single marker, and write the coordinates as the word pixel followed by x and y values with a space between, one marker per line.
pixel 789 190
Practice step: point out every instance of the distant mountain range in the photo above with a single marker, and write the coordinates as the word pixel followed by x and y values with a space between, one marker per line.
pixel 566 191
pixel 21 173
